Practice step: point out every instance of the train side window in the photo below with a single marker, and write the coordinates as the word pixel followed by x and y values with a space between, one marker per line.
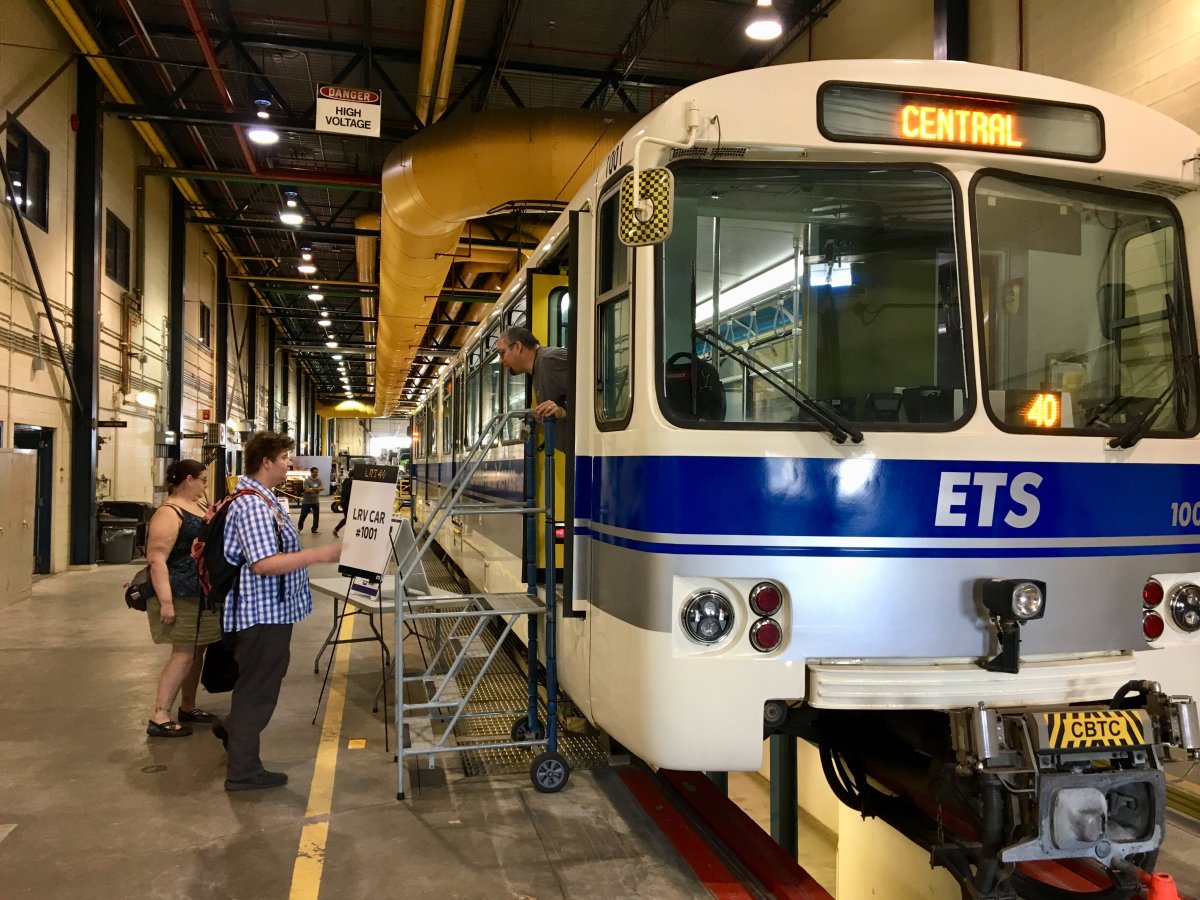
pixel 613 394
pixel 614 322
pixel 448 416
pixel 471 426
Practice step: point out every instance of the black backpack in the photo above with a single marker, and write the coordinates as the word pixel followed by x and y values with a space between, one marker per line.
pixel 218 576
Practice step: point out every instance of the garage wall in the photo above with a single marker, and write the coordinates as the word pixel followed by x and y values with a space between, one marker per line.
pixel 1143 50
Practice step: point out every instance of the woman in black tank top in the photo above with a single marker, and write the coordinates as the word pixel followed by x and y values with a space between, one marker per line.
pixel 175 613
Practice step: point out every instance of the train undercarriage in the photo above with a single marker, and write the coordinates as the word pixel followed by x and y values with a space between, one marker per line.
pixel 988 791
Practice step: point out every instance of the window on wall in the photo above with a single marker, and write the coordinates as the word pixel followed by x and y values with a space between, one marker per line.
pixel 205 325
pixel 29 165
pixel 116 249
pixel 614 329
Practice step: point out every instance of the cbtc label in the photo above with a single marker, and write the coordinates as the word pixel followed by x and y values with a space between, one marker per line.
pixel 976 498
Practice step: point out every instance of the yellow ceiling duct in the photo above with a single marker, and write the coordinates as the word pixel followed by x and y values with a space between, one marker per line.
pixel 457 170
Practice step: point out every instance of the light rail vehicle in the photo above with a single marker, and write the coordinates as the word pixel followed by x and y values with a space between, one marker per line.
pixel 883 433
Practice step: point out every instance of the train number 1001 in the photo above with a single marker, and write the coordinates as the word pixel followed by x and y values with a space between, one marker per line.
pixel 367 532
pixel 1185 514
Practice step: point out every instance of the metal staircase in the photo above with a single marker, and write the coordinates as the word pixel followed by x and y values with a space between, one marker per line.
pixel 456 626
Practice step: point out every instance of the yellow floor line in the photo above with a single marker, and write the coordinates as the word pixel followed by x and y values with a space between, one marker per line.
pixel 310 855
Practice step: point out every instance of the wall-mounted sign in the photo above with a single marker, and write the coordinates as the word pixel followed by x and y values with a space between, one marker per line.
pixel 348 110
pixel 367 546
pixel 111 423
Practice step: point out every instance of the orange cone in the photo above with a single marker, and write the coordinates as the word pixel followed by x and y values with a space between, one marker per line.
pixel 1162 887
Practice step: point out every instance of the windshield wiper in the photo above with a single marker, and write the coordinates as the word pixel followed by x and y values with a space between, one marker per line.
pixel 1138 429
pixel 839 429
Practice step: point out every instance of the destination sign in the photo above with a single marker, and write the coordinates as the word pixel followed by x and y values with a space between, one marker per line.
pixel 883 114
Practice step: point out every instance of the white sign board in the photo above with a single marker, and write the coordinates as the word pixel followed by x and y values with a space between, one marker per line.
pixel 348 110
pixel 367 546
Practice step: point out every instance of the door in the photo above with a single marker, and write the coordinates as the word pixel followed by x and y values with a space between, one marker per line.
pixel 41 441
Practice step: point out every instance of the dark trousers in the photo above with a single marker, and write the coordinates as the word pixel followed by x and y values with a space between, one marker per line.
pixel 263 653
pixel 305 509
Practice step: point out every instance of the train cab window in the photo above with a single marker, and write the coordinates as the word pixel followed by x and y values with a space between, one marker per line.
pixel 29 164
pixel 614 323
pixel 780 288
pixel 1087 323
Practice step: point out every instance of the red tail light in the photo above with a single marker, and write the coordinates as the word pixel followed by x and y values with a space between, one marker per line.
pixel 765 635
pixel 766 599
pixel 1152 626
pixel 1152 593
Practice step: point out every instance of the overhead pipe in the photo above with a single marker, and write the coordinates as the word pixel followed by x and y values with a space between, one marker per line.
pixel 366 250
pixel 464 168
pixel 446 60
pixel 431 39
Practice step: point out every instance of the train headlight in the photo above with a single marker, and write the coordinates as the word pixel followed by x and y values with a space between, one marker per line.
pixel 707 616
pixel 766 599
pixel 1015 600
pixel 1185 607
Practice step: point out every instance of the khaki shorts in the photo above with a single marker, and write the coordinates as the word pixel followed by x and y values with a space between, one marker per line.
pixel 183 629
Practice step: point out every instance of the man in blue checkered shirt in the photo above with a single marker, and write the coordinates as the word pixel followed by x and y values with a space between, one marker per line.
pixel 272 594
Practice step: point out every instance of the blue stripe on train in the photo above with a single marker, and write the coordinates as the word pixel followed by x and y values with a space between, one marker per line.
pixel 888 498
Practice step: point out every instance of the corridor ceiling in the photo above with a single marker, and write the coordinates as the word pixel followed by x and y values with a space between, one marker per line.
pixel 194 70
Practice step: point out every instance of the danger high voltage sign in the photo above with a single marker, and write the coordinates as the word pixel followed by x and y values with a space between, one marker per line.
pixel 348 110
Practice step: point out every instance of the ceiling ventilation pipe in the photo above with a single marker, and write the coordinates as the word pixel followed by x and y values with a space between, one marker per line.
pixel 459 170
pixel 449 173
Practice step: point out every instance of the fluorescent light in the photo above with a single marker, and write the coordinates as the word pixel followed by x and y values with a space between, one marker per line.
pixel 306 268
pixel 764 24
pixel 292 218
pixel 315 297
pixel 324 323
pixel 261 135
pixel 751 289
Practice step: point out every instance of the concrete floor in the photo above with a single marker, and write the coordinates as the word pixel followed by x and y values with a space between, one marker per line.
pixel 92 807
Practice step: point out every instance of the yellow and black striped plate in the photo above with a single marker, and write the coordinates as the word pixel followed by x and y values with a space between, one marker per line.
pixel 1097 728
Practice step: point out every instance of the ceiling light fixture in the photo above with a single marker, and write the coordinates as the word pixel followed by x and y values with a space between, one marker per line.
pixel 263 101
pixel 331 344
pixel 324 323
pixel 261 135
pixel 307 257
pixel 764 24
pixel 293 218
pixel 337 356
pixel 315 297
pixel 304 268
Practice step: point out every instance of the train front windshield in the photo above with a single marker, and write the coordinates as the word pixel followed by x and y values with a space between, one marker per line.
pixel 784 288
pixel 1086 317
pixel 781 288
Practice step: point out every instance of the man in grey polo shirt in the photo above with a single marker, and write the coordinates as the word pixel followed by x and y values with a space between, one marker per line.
pixel 522 354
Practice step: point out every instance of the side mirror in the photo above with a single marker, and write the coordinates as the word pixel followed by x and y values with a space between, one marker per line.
pixel 647 218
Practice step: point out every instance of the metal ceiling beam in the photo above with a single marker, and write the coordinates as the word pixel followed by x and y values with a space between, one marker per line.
pixel 283 279
pixel 275 176
pixel 279 226
pixel 271 42
pixel 192 116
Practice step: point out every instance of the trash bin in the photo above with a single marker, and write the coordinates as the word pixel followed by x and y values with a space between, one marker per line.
pixel 129 509
pixel 117 537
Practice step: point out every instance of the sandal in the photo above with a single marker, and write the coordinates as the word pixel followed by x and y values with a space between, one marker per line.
pixel 166 729
pixel 196 714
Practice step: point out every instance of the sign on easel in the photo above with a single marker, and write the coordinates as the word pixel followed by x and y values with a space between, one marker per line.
pixel 367 546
